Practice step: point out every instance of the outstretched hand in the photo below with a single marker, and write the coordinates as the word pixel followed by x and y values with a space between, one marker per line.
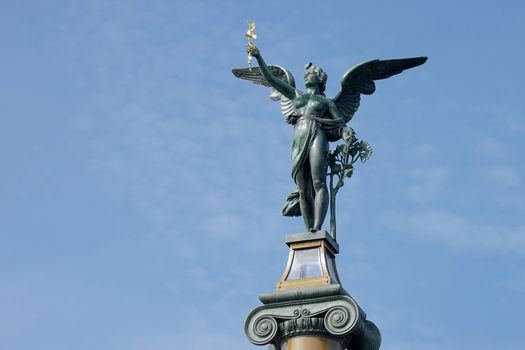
pixel 251 49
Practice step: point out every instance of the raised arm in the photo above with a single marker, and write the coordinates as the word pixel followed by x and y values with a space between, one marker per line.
pixel 284 88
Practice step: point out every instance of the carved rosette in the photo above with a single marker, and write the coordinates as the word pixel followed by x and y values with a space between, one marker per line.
pixel 336 317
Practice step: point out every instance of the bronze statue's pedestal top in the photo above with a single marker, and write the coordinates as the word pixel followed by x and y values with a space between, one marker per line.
pixel 313 236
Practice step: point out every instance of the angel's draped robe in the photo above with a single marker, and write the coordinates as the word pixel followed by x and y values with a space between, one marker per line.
pixel 302 142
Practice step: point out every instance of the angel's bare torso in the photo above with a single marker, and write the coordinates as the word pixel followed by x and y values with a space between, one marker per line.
pixel 310 105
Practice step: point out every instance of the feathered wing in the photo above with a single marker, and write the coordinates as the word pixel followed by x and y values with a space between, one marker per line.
pixel 360 80
pixel 255 76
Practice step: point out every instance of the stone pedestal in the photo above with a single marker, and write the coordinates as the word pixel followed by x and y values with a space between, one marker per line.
pixel 310 309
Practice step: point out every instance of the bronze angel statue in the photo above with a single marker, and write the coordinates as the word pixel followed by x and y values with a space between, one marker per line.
pixel 318 120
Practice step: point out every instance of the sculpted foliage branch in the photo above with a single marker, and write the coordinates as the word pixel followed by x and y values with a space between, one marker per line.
pixel 341 161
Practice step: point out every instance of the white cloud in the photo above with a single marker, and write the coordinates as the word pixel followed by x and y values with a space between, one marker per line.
pixel 514 281
pixel 177 340
pixel 450 344
pixel 223 226
pixel 455 231
pixel 412 345
pixel 491 147
pixel 513 121
pixel 503 176
pixel 427 183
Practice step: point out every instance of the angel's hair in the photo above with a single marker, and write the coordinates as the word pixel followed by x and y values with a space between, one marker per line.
pixel 311 68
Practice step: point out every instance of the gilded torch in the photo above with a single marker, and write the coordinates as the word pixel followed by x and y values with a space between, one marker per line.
pixel 250 34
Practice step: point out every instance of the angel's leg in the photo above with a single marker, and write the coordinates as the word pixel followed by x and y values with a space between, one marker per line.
pixel 318 166
pixel 306 200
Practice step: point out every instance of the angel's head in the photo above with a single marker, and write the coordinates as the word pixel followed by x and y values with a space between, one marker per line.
pixel 315 75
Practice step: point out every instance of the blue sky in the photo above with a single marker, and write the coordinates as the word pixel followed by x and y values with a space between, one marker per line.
pixel 141 183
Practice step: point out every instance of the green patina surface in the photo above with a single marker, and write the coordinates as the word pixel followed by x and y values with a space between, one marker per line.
pixel 318 120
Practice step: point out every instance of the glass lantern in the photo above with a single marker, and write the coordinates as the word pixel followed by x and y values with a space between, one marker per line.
pixel 311 261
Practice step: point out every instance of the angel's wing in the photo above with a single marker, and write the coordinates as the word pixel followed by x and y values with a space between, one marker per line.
pixel 255 76
pixel 360 80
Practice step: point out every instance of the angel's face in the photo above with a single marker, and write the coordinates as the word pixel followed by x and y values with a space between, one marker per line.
pixel 311 77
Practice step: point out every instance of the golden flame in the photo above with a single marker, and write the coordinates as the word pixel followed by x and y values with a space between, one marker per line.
pixel 250 35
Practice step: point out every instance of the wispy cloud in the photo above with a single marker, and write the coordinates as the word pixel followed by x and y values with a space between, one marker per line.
pixel 175 340
pixel 455 231
pixel 502 176
pixel 427 183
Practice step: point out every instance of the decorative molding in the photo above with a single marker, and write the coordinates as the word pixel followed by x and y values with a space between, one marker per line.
pixel 301 326
pixel 302 293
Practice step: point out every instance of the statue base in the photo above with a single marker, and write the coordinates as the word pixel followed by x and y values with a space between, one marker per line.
pixel 310 309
